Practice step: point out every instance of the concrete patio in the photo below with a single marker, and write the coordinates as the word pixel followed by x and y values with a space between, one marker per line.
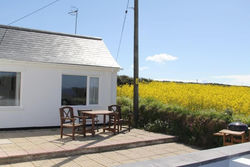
pixel 112 158
pixel 30 145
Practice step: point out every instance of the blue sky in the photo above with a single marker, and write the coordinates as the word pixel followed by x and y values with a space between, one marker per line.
pixel 182 40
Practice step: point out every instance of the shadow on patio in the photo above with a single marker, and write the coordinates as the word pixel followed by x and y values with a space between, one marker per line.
pixel 21 145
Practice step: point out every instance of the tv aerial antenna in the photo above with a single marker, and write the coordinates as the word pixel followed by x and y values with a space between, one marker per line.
pixel 74 12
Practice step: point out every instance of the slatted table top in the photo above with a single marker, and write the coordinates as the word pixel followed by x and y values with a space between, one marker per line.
pixel 226 131
pixel 97 112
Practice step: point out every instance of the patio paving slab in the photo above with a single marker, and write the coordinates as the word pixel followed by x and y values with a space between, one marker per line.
pixel 5 141
pixel 29 145
pixel 215 157
pixel 111 158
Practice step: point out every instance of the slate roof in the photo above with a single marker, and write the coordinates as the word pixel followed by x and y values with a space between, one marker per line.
pixel 30 45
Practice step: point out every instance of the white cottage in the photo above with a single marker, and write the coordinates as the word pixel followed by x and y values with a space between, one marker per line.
pixel 41 71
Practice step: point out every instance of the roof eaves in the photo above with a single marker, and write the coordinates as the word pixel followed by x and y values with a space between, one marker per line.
pixel 71 64
pixel 47 32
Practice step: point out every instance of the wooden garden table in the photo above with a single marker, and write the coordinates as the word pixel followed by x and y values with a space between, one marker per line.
pixel 94 113
pixel 229 134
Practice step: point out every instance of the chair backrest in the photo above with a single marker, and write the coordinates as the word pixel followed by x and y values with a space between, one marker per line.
pixel 80 113
pixel 65 113
pixel 117 109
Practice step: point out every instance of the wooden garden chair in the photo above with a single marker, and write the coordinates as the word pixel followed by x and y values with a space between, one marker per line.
pixel 68 121
pixel 120 121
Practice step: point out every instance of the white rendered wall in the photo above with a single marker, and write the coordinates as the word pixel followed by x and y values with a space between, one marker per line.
pixel 41 92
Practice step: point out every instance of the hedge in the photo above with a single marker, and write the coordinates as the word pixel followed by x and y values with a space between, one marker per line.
pixel 191 127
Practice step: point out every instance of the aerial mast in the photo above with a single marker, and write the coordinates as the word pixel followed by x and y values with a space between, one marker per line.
pixel 74 12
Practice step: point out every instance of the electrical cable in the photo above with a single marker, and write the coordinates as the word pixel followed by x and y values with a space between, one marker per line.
pixel 5 31
pixel 29 14
pixel 123 26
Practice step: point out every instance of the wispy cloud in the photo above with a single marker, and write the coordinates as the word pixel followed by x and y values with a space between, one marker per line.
pixel 161 58
pixel 235 79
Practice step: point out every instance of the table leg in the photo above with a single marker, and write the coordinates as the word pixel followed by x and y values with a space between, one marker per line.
pixel 232 139
pixel 224 139
pixel 243 138
pixel 104 122
pixel 115 118
pixel 248 134
pixel 93 125
pixel 84 127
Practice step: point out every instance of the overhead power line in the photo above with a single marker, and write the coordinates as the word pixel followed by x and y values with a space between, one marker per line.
pixel 123 26
pixel 29 14
pixel 3 36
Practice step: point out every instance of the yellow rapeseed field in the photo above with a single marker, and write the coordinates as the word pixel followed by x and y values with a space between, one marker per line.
pixel 194 96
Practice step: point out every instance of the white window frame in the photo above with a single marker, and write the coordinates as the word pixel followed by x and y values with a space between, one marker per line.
pixel 88 84
pixel 94 76
pixel 20 106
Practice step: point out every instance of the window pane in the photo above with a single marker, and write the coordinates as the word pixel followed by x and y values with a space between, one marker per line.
pixel 10 88
pixel 93 90
pixel 74 90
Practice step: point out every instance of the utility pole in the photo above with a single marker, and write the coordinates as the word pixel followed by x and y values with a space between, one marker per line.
pixel 74 12
pixel 136 64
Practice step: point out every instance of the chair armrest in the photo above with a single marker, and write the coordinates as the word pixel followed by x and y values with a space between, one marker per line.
pixel 80 117
pixel 72 119
pixel 114 114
